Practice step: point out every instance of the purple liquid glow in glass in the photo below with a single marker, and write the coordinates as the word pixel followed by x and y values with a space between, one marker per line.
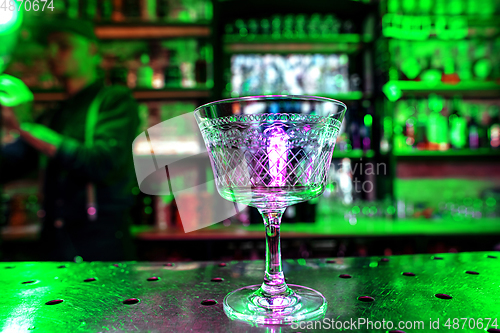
pixel 271 152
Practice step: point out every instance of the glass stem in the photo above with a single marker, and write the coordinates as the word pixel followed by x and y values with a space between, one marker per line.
pixel 274 280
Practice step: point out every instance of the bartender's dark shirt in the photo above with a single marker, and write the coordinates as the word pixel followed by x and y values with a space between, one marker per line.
pixel 67 231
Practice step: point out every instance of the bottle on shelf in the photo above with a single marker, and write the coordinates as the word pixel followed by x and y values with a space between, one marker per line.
pixel 241 28
pixel 131 9
pixel 300 26
pixel 145 73
pixel 105 10
pixel 437 125
pixel 457 126
pixel 276 25
pixel 201 67
pixel 483 120
pixel 473 128
pixel 253 28
pixel 494 128
pixel 288 23
pixel 354 128
pixel 366 129
pixel 162 9
pixel 313 26
pixel 148 10
pixel 265 27
pixel 118 14
pixel 421 139
pixel 73 9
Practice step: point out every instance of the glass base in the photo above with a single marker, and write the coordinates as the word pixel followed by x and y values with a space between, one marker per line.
pixel 297 304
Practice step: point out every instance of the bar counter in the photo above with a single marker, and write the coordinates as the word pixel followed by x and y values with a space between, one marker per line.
pixel 188 296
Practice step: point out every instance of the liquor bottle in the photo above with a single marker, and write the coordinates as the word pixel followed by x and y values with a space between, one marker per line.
pixel 421 140
pixel 131 9
pixel 410 125
pixel 200 67
pixel 425 7
pixel 105 10
pixel 162 9
pixel 494 129
pixel 276 23
pixel 265 27
pixel 288 23
pixel 145 73
pixel 437 124
pixel 409 7
pixel 457 126
pixel 437 131
pixel 118 15
pixel 473 127
pixel 300 26
pixel 208 9
pixel 366 129
pixel 88 9
pixel 354 128
pixel 172 72
pixel 253 27
pixel 148 10
pixel 393 6
pixel 483 120
pixel 73 9
pixel 348 27
pixel 241 27
pixel 313 25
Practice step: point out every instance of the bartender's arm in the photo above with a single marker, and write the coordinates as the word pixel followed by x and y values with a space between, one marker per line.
pixel 115 130
pixel 114 133
pixel 17 158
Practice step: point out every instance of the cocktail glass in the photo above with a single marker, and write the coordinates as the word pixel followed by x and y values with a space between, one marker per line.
pixel 271 152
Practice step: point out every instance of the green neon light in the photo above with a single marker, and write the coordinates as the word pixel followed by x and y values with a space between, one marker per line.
pixel 483 68
pixel 411 68
pixel 436 102
pixel 10 20
pixel 368 119
pixel 392 91
pixel 13 91
pixel 431 76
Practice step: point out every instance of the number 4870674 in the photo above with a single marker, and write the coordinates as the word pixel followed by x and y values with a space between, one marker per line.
pixel 471 323
pixel 27 5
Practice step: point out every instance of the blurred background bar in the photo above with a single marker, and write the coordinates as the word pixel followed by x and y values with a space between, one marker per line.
pixel 415 170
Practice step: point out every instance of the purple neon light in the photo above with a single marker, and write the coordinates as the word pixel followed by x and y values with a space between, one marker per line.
pixel 276 152
pixel 311 163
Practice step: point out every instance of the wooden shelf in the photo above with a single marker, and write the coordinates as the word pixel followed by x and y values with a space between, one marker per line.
pixel 48 96
pixel 323 228
pixel 338 38
pixel 333 228
pixel 464 88
pixel 346 43
pixel 348 96
pixel 171 94
pixel 142 31
pixel 480 152
pixel 358 153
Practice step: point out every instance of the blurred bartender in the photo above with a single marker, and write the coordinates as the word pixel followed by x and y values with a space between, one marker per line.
pixel 84 147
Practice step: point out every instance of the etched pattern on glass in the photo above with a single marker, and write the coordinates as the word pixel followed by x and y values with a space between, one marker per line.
pixel 257 158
